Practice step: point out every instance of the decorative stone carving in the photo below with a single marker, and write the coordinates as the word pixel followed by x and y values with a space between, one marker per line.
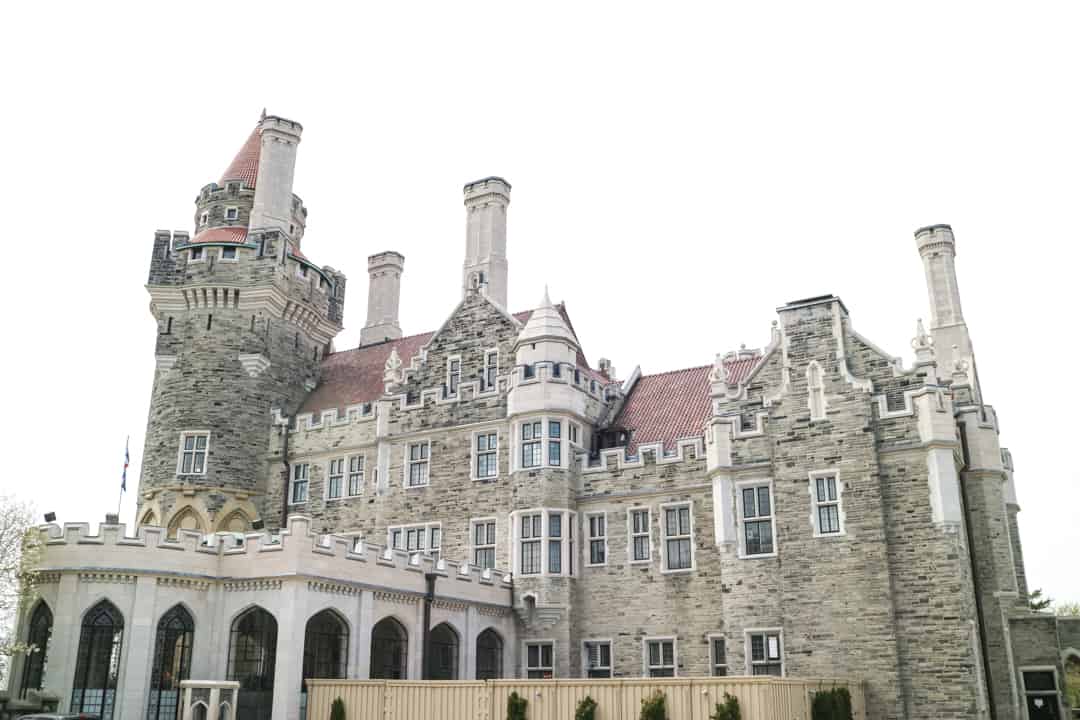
pixel 254 363
pixel 393 375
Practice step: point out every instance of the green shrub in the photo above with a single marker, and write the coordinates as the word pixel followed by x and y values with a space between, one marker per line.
pixel 337 709
pixel 727 710
pixel 834 704
pixel 654 707
pixel 515 707
pixel 586 709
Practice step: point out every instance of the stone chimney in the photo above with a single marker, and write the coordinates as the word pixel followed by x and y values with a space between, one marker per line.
pixel 485 238
pixel 273 204
pixel 384 294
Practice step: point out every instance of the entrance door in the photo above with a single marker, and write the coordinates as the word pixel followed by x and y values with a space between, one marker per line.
pixel 1041 694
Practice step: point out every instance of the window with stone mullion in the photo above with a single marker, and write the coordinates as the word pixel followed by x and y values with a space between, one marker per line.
pixel 828 505
pixel 678 550
pixel 532 444
pixel 661 659
pixel 532 533
pixel 487 445
pixel 484 544
pixel 418 464
pixel 757 520
pixel 335 475
pixel 356 474
pixel 765 654
pixel 193 453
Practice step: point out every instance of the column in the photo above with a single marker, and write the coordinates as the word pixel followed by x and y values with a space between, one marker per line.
pixel 138 648
pixel 290 612
pixel 60 674
pixel 360 663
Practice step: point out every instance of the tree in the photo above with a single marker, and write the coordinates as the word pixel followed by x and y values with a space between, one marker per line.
pixel 1037 602
pixel 337 709
pixel 20 550
pixel 1067 609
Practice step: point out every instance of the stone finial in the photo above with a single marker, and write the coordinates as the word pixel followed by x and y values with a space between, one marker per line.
pixel 923 345
pixel 392 373
pixel 719 371
pixel 774 332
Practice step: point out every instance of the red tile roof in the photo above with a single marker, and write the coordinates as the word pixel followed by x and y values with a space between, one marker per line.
pixel 666 407
pixel 740 368
pixel 228 234
pixel 245 166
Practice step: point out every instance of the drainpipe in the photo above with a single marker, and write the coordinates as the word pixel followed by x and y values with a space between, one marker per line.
pixel 429 597
pixel 285 474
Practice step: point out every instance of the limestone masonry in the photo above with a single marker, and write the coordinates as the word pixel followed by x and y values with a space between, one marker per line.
pixel 482 501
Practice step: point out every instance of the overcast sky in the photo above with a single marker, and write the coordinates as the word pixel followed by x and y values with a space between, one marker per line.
pixel 677 175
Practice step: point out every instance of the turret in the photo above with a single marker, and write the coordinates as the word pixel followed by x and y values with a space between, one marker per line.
pixel 937 247
pixel 485 238
pixel 384 293
pixel 273 205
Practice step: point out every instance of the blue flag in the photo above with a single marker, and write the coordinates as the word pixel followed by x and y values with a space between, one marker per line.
pixel 127 459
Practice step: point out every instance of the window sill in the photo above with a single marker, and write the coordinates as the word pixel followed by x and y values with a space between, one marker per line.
pixel 830 535
pixel 493 478
pixel 743 556
pixel 297 504
pixel 680 571
pixel 417 487
pixel 596 565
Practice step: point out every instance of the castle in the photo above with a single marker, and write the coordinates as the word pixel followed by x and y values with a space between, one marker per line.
pixel 481 501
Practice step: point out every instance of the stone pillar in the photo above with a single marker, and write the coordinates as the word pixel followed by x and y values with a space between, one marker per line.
pixel 138 648
pixel 288 663
pixel 65 639
pixel 272 208
pixel 468 643
pixel 362 652
pixel 384 296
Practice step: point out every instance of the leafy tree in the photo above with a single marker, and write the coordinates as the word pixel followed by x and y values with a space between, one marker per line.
pixel 1067 609
pixel 1037 602
pixel 337 709
pixel 586 709
pixel 654 707
pixel 727 710
pixel 515 707
pixel 20 551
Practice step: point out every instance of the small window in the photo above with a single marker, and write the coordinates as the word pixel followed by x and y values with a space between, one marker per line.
pixel 765 653
pixel 487 455
pixel 453 376
pixel 260 247
pixel 597 658
pixel 539 660
pixel 755 506
pixel 232 188
pixel 418 464
pixel 204 218
pixel 356 474
pixel 532 533
pixel 491 369
pixel 196 254
pixel 529 371
pixel 301 269
pixel 425 538
pixel 231 213
pixel 597 528
pixel 640 537
pixel 718 652
pixel 483 532
pixel 555 543
pixel 298 492
pixel 531 444
pixel 678 547
pixel 193 448
pixel 825 490
pixel 555 443
pixel 335 476
pixel 574 434
pixel 556 370
pixel 660 657
pixel 228 253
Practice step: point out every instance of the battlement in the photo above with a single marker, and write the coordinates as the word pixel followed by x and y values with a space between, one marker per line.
pixel 229 558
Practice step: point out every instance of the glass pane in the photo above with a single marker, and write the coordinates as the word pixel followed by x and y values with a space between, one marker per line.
pixel 763 501
pixel 189 442
pixel 719 652
pixel 534 656
pixel 671 522
pixel 757 647
pixel 555 525
pixel 555 556
pixel 545 655
pixel 749 508
pixel 821 489
pixel 555 429
pixel 1039 681
pixel 669 653
pixel 684 521
pixel 832 488
pixel 654 653
pixel 200 442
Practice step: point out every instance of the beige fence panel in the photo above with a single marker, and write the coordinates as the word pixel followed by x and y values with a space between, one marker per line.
pixel 364 699
pixel 435 699
pixel 607 694
pixel 541 694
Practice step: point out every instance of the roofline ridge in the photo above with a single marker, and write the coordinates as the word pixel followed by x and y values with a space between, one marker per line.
pixel 677 370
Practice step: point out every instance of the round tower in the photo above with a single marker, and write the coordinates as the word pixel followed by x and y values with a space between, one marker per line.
pixel 244 319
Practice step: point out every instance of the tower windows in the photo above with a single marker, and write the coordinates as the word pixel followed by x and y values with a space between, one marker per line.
pixel 756 516
pixel 677 529
pixel 827 516
pixel 537 440
pixel 192 456
pixel 168 326
pixel 204 218
pixel 555 443
pixel 298 488
pixel 417 464
pixel 196 254
pixel 232 213
pixel 531 444
pixel 228 253
pixel 209 321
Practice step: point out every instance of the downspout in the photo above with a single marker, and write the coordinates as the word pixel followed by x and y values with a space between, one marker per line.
pixel 987 678
pixel 285 474
pixel 429 598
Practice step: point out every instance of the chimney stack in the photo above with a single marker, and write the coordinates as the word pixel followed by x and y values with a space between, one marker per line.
pixel 273 203
pixel 937 247
pixel 485 238
pixel 384 294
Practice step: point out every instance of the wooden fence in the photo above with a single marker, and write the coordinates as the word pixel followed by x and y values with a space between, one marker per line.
pixel 687 698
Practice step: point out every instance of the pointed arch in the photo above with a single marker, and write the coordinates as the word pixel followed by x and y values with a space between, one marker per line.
pixel 38 635
pixel 445 648
pixel 185 518
pixel 326 645
pixel 172 662
pixel 149 518
pixel 236 521
pixel 389 650
pixel 97 665
pixel 489 655
pixel 252 653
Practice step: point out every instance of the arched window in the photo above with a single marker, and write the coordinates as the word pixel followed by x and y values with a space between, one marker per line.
pixel 489 655
pixel 326 646
pixel 816 390
pixel 172 663
pixel 444 653
pixel 252 650
pixel 41 622
pixel 149 519
pixel 186 519
pixel 97 664
pixel 389 650
pixel 237 522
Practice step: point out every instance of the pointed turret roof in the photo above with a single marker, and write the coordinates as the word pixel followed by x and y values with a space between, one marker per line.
pixel 547 323
pixel 245 166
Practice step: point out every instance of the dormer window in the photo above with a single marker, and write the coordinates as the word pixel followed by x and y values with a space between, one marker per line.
pixel 231 213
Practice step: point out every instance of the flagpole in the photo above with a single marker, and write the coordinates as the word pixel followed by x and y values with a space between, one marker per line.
pixel 123 482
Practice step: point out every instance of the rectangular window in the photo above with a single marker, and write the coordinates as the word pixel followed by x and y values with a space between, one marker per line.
pixel 356 474
pixel 484 543
pixel 335 476
pixel 453 376
pixel 529 372
pixel 718 651
pixel 425 538
pixel 491 369
pixel 418 464
pixel 298 490
pixel 204 218
pixel 539 660
pixel 196 254
pixel 532 533
pixel 597 525
pixel 487 455
pixel 228 253
pixel 660 657
pixel 757 517
pixel 555 443
pixel 531 444
pixel 765 653
pixel 555 544
pixel 640 540
pixel 678 548
pixel 193 448
pixel 231 213
pixel 825 490
pixel 597 657
pixel 574 434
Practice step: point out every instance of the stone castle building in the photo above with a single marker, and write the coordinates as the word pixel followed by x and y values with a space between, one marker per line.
pixel 481 501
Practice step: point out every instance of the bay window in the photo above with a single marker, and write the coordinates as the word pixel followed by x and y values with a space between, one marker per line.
pixel 543 542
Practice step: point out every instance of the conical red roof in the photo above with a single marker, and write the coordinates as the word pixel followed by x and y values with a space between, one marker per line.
pixel 245 166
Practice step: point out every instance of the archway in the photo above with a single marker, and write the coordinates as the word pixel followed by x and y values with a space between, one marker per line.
pixel 186 519
pixel 489 655
pixel 172 663
pixel 389 650
pixel 252 651
pixel 444 653
pixel 41 621
pixel 326 646
pixel 237 522
pixel 97 665
pixel 149 518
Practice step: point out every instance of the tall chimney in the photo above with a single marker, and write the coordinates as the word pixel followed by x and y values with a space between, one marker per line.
pixel 384 294
pixel 937 247
pixel 485 238
pixel 272 207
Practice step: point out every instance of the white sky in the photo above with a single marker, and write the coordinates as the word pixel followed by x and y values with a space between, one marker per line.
pixel 677 174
